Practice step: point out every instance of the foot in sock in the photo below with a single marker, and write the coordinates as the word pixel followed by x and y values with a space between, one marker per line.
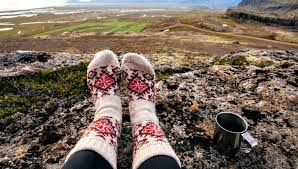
pixel 102 135
pixel 148 137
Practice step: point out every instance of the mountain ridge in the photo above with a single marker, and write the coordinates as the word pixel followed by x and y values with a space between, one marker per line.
pixel 209 3
pixel 268 11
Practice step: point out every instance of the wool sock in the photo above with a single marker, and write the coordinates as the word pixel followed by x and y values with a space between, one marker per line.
pixel 148 137
pixel 102 135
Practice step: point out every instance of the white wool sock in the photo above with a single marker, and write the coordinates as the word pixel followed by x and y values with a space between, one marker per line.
pixel 148 137
pixel 102 135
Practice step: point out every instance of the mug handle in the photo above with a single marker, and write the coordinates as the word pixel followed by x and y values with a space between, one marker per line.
pixel 253 142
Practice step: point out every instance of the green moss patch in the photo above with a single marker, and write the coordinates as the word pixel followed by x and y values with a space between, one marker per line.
pixel 162 75
pixel 260 61
pixel 243 60
pixel 25 93
pixel 240 60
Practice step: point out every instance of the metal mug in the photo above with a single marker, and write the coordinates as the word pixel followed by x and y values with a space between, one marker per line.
pixel 230 130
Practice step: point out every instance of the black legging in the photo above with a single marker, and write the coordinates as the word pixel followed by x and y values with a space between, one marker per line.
pixel 88 159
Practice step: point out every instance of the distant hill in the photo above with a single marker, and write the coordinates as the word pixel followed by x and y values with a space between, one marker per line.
pixel 264 3
pixel 283 12
pixel 270 5
pixel 209 3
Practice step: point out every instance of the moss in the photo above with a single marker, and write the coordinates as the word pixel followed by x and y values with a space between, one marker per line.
pixel 260 61
pixel 161 75
pixel 7 112
pixel 264 63
pixel 25 93
pixel 239 60
pixel 221 62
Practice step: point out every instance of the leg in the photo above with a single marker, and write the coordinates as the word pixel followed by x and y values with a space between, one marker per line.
pixel 160 162
pixel 87 159
pixel 103 133
pixel 150 142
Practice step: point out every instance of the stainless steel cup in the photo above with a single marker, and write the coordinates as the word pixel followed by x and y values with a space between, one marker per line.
pixel 230 130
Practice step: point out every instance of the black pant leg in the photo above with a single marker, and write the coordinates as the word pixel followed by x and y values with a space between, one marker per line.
pixel 160 162
pixel 86 159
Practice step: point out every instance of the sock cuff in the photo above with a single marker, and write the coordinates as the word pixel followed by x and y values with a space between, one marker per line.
pixel 152 150
pixel 98 145
pixel 142 110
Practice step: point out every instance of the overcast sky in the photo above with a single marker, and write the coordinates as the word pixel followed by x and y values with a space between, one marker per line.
pixel 27 4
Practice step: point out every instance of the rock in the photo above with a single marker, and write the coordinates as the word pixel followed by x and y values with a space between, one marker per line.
pixel 179 132
pixel 253 113
pixel 50 135
pixel 199 156
pixel 28 57
pixel 236 42
pixel 24 62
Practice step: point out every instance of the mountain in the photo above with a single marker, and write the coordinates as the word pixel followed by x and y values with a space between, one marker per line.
pixel 283 12
pixel 212 3
pixel 266 2
pixel 209 3
pixel 270 5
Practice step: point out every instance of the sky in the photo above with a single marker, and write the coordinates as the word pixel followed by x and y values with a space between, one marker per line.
pixel 27 4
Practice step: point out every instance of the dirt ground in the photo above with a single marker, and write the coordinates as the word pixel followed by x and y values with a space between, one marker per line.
pixel 142 43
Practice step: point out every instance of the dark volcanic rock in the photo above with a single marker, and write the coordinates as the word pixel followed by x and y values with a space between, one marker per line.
pixel 50 135
pixel 28 62
pixel 12 59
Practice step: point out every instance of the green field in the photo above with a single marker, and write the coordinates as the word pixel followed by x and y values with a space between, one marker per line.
pixel 107 26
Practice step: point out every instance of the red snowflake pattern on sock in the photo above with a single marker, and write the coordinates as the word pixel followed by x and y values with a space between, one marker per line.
pixel 106 128
pixel 138 85
pixel 146 133
pixel 103 81
pixel 141 85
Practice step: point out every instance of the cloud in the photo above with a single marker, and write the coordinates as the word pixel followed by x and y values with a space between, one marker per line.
pixel 85 0
pixel 26 4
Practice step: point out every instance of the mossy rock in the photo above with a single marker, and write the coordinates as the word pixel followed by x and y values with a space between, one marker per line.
pixel 28 92
pixel 240 60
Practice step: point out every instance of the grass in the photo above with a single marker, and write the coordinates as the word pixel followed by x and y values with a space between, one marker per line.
pixel 117 26
pixel 71 28
pixel 25 93
pixel 285 37
pixel 106 26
